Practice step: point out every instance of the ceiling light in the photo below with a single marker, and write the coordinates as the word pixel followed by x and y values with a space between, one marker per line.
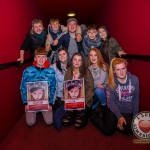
pixel 71 14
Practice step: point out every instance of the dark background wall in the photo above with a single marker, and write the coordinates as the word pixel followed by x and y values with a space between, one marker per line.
pixel 128 22
pixel 16 17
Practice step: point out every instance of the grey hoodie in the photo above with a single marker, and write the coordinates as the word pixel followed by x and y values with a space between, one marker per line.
pixel 125 97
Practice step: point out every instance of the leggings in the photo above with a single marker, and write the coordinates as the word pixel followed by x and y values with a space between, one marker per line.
pixel 108 123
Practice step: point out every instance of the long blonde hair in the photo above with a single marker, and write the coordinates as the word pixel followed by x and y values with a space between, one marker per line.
pixel 100 61
pixel 113 64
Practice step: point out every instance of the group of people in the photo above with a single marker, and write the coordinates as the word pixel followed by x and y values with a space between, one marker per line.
pixel 75 52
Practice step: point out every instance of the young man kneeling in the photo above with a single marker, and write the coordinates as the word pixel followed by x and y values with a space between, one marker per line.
pixel 40 71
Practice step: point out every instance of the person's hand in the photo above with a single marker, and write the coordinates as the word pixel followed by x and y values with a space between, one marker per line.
pixel 121 53
pixel 55 42
pixel 78 37
pixel 120 123
pixel 100 86
pixel 26 108
pixel 21 59
pixel 50 108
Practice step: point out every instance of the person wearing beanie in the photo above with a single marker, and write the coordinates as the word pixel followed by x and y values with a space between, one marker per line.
pixel 35 38
pixel 54 30
pixel 70 40
pixel 39 71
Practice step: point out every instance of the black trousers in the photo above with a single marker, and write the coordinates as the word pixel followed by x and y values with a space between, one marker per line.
pixel 58 103
pixel 108 123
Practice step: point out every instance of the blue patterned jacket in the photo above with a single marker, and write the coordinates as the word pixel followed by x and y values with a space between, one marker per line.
pixel 34 74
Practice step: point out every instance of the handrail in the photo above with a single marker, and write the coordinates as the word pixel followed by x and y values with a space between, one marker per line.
pixel 15 64
pixel 132 57
pixel 136 57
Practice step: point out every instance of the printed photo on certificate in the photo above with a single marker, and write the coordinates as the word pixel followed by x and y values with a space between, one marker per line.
pixel 37 96
pixel 74 94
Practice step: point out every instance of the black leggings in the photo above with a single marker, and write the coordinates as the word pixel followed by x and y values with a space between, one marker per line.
pixel 77 117
pixel 108 123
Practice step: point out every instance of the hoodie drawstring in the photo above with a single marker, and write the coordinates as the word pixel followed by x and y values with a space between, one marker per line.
pixel 129 86
pixel 119 90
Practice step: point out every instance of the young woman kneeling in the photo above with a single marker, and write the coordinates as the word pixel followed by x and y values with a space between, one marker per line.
pixel 76 71
pixel 122 100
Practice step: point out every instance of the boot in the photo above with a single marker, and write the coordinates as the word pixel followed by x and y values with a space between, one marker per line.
pixel 98 109
pixel 101 112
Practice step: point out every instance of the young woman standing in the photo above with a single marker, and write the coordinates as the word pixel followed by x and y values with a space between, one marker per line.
pixel 111 46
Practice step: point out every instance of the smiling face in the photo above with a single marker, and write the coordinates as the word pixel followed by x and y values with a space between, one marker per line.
pixel 72 26
pixel 55 26
pixel 62 56
pixel 37 28
pixel 77 61
pixel 102 33
pixel 74 92
pixel 93 57
pixel 37 94
pixel 40 59
pixel 92 34
pixel 120 71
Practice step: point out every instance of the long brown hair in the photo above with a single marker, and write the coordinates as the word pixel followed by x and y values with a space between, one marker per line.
pixel 106 42
pixel 83 68
pixel 100 61
pixel 113 64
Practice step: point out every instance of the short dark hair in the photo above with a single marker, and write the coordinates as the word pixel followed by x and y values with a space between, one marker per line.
pixel 74 83
pixel 35 86
pixel 92 27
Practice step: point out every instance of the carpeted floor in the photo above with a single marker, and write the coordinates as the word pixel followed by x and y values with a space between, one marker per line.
pixel 43 137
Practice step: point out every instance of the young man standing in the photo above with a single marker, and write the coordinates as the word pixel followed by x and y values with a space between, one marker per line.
pixel 54 30
pixel 39 71
pixel 35 38
pixel 91 39
pixel 70 40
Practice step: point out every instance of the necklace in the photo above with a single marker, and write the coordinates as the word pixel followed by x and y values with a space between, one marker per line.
pixel 95 71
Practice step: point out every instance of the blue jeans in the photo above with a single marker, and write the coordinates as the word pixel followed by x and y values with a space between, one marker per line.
pixel 100 93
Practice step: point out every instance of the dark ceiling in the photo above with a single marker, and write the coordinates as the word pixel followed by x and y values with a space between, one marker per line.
pixel 86 10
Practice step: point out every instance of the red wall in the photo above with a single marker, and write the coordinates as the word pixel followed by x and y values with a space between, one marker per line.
pixel 16 17
pixel 129 22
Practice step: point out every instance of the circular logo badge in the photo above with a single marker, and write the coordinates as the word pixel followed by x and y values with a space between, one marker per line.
pixel 141 125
